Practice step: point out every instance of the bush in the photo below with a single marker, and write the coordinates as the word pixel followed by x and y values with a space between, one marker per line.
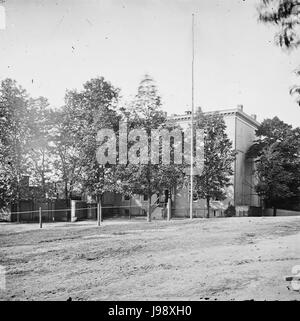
pixel 230 211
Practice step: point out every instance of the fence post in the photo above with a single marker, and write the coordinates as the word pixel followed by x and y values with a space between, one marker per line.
pixel 99 212
pixel 40 217
pixel 18 211
pixel 169 208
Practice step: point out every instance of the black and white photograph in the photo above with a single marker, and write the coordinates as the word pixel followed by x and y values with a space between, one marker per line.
pixel 149 152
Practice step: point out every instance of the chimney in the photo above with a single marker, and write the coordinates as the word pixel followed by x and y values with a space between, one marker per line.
pixel 254 116
pixel 240 107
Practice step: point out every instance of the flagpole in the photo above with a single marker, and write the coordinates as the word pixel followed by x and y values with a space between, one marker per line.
pixel 192 126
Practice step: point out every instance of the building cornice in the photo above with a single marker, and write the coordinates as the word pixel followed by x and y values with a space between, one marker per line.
pixel 226 112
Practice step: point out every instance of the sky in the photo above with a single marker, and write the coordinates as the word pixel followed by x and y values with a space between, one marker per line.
pixel 49 46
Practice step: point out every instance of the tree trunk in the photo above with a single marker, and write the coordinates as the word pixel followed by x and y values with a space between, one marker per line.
pixel 18 210
pixel 274 211
pixel 18 200
pixel 208 206
pixel 263 207
pixel 66 192
pixel 43 175
pixel 99 210
pixel 169 208
pixel 149 208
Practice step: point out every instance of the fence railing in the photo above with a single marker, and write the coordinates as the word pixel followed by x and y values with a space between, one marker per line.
pixel 94 212
pixel 42 215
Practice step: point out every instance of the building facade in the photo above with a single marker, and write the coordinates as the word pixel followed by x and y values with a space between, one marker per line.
pixel 240 128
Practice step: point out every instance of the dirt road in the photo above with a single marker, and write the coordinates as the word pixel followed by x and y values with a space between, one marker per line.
pixel 204 259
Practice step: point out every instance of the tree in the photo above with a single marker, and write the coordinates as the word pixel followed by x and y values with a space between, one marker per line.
pixel 14 137
pixel 87 112
pixel 147 177
pixel 64 148
pixel 285 15
pixel 277 158
pixel 40 156
pixel 218 158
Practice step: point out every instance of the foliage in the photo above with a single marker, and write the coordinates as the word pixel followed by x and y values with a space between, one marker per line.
pixel 148 178
pixel 285 15
pixel 14 135
pixel 41 159
pixel 218 158
pixel 230 211
pixel 276 154
pixel 87 112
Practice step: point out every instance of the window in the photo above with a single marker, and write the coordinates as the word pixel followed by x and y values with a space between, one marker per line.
pixel 126 198
pixel 145 197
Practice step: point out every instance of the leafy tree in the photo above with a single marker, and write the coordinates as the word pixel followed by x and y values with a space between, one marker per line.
pixel 14 136
pixel 276 153
pixel 87 112
pixel 218 158
pixel 23 144
pixel 148 178
pixel 285 15
pixel 40 156
pixel 64 148
pixel 5 183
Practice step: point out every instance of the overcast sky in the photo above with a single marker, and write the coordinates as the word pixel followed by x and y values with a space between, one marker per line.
pixel 50 46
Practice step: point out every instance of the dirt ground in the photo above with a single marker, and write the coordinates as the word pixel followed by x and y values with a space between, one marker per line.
pixel 203 259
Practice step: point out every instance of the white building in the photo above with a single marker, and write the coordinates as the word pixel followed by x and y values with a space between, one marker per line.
pixel 241 131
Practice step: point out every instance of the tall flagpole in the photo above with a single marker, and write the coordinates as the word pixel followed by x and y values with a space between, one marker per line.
pixel 192 126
